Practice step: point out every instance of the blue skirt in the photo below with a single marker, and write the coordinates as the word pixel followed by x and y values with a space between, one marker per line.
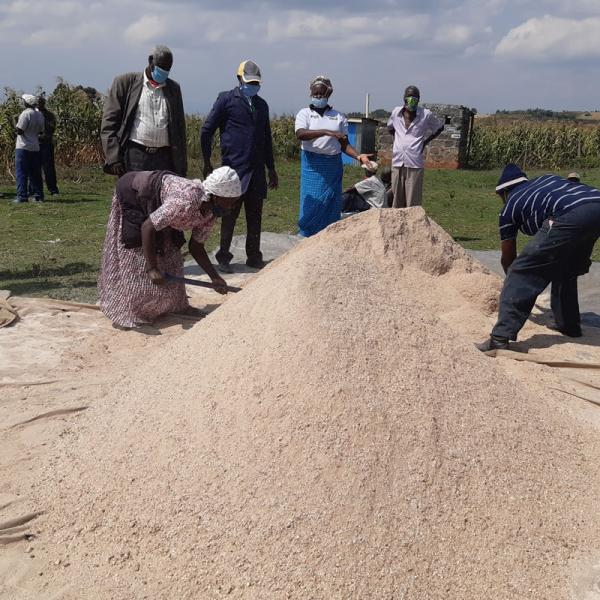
pixel 320 192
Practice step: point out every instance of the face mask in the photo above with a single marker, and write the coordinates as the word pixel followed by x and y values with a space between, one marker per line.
pixel 411 103
pixel 159 75
pixel 249 89
pixel 319 102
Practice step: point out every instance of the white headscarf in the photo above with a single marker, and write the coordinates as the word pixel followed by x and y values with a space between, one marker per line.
pixel 223 182
pixel 30 99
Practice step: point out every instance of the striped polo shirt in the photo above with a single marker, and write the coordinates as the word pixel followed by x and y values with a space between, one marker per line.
pixel 532 202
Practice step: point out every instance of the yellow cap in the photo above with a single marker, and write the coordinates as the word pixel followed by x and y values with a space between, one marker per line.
pixel 249 72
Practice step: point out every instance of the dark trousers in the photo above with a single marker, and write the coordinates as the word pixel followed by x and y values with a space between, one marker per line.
pixel 139 159
pixel 253 204
pixel 47 156
pixel 352 201
pixel 558 253
pixel 28 167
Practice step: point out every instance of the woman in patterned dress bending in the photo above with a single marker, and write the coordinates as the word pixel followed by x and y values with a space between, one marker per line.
pixel 150 210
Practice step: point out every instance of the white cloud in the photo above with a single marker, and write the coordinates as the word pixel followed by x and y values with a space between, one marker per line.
pixel 353 31
pixel 66 37
pixel 453 35
pixel 551 38
pixel 144 30
pixel 584 8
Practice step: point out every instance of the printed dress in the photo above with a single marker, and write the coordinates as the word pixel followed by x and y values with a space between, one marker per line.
pixel 127 296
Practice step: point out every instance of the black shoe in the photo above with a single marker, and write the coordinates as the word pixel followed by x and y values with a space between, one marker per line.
pixel 574 332
pixel 256 264
pixel 225 268
pixel 495 342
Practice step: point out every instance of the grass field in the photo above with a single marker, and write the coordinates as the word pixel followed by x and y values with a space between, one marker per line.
pixel 53 249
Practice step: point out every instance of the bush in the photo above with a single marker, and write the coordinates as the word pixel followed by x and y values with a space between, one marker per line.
pixel 78 113
pixel 552 146
pixel 78 118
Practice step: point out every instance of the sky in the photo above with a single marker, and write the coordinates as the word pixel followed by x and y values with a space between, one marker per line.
pixel 484 54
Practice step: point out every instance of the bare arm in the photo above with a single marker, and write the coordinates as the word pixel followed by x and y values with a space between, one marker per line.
pixel 509 253
pixel 433 136
pixel 348 149
pixel 149 249
pixel 313 134
pixel 198 251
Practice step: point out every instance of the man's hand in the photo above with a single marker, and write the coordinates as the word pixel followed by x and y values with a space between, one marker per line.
pixel 220 284
pixel 116 169
pixel 509 253
pixel 273 180
pixel 365 159
pixel 156 277
pixel 207 169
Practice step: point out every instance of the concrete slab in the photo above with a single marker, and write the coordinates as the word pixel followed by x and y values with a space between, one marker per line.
pixel 273 245
pixel 589 286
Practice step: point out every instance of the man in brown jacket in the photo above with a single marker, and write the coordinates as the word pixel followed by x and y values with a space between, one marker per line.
pixel 143 124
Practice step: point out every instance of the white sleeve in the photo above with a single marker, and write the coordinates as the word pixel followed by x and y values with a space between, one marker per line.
pixel 24 119
pixel 302 120
pixel 390 122
pixel 344 125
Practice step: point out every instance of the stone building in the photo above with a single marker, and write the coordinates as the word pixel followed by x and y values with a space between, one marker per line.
pixel 450 149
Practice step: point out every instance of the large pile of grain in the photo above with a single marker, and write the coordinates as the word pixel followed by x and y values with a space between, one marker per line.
pixel 325 435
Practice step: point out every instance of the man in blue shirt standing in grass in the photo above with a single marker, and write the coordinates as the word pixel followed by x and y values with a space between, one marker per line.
pixel 564 219
pixel 242 118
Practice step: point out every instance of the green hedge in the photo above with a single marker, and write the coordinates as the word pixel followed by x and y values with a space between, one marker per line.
pixel 552 146
pixel 79 115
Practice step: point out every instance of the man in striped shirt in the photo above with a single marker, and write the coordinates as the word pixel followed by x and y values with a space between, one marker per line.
pixel 564 219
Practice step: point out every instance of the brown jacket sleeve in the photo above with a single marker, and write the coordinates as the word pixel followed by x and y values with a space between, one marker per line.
pixel 177 127
pixel 116 112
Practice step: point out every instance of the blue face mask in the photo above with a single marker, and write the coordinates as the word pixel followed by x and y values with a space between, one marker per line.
pixel 319 102
pixel 159 75
pixel 249 89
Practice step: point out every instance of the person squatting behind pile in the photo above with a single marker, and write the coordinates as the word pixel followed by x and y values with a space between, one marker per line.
pixel 370 192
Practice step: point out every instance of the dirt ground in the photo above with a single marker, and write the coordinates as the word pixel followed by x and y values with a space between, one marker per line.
pixel 125 476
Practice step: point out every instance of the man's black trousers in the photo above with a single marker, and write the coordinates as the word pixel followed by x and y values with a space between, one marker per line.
pixel 558 253
pixel 253 204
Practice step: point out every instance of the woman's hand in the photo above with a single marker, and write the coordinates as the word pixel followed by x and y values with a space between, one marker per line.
pixel 365 159
pixel 156 277
pixel 219 284
pixel 336 134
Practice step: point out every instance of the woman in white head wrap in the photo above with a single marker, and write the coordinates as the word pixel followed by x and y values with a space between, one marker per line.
pixel 150 211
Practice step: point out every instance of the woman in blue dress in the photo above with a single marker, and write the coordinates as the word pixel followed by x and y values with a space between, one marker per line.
pixel 323 132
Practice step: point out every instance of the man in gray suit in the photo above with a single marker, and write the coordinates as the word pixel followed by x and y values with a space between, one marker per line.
pixel 143 124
